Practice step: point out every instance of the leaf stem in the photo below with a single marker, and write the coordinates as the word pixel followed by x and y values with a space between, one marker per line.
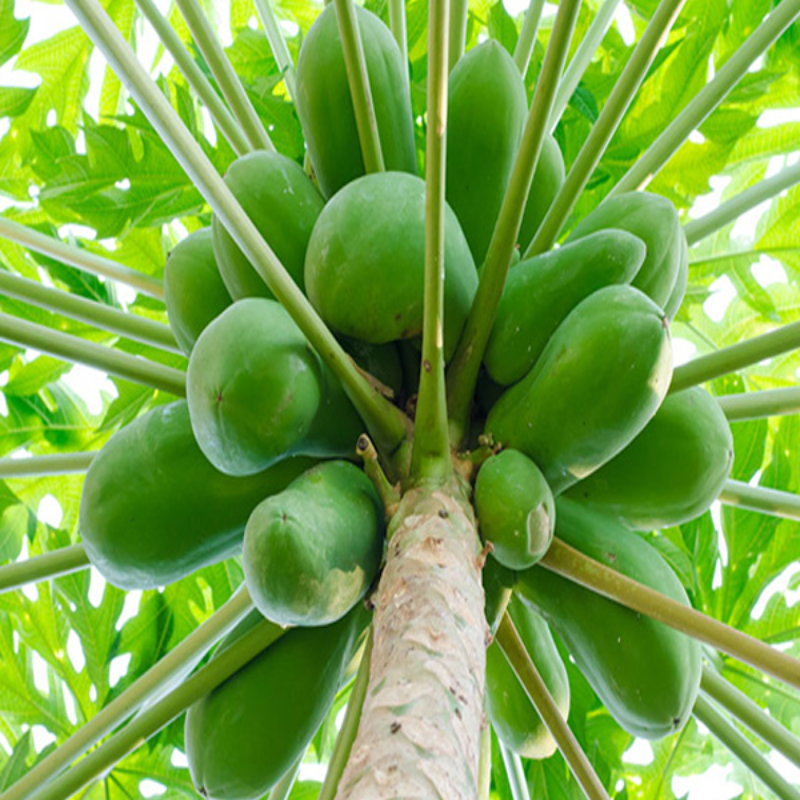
pixel 195 77
pixel 485 762
pixel 751 715
pixel 511 644
pixel 397 22
pixel 572 564
pixel 277 44
pixel 727 733
pixel 79 258
pixel 457 37
pixel 606 125
pixel 523 52
pixel 184 656
pixel 43 567
pixel 707 99
pixel 222 70
pixel 105 317
pixel 760 498
pixel 39 466
pixel 515 773
pixel 766 403
pixel 736 357
pixel 463 371
pixel 360 91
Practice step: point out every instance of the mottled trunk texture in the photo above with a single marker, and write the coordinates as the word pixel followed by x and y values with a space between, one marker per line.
pixel 420 728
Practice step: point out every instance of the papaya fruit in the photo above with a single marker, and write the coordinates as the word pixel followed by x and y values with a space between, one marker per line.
pixel 486 113
pixel 541 291
pixel 514 717
pixel 547 181
pixel 325 106
pixel 153 509
pixel 498 582
pixel 655 221
pixel 312 551
pixel 672 471
pixel 246 734
pixel 646 674
pixel 365 264
pixel 193 288
pixel 515 508
pixel 283 204
pixel 598 382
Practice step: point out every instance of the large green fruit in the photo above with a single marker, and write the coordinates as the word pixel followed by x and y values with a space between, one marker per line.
pixel 283 204
pixel 154 510
pixel 514 718
pixel 646 674
pixel 246 734
pixel 598 382
pixel 654 220
pixel 312 551
pixel 193 289
pixel 365 265
pixel 672 471
pixel 540 292
pixel 547 181
pixel 486 112
pixel 325 107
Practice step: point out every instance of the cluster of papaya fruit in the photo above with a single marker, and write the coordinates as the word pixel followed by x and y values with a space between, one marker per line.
pixel 574 391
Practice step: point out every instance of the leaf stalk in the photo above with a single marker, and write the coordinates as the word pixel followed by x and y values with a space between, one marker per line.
pixel 44 567
pixel 759 498
pixel 41 466
pixel 755 405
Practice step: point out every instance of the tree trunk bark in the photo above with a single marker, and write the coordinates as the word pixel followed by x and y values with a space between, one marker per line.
pixel 420 727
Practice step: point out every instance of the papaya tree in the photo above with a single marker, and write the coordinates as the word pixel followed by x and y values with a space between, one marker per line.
pixel 439 437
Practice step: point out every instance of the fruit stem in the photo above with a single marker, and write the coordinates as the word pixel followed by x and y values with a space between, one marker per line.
pixel 171 668
pixel 389 494
pixel 283 788
pixel 463 372
pixel 397 23
pixel 195 78
pixel 523 52
pixel 277 44
pixel 707 99
pixel 574 565
pixel 754 405
pixel 515 773
pixel 79 258
pixel 44 567
pixel 512 646
pixel 751 715
pixel 40 466
pixel 22 333
pixel 606 125
pixel 759 498
pixel 430 458
pixel 223 72
pixel 459 15
pixel 360 91
pixel 727 733
pixel 107 318
pixel 737 356
pixel 347 733
pixel 485 762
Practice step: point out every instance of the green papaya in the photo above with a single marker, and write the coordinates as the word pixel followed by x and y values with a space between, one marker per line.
pixel 673 304
pixel 498 582
pixel 646 674
pixel 672 471
pixel 325 106
pixel 514 718
pixel 515 508
pixel 486 113
pixel 154 510
pixel 365 264
pixel 547 181
pixel 193 288
pixel 283 204
pixel 541 291
pixel 655 221
pixel 598 382
pixel 246 734
pixel 312 551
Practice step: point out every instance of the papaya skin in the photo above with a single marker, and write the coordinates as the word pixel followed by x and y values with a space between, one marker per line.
pixel 153 509
pixel 547 181
pixel 646 674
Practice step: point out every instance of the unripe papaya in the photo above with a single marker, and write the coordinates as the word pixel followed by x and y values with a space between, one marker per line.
pixel 325 106
pixel 514 718
pixel 598 382
pixel 646 674
pixel 654 220
pixel 547 181
pixel 283 204
pixel 672 471
pixel 365 264
pixel 486 112
pixel 541 291
pixel 193 289
pixel 312 551
pixel 246 734
pixel 515 509
pixel 154 510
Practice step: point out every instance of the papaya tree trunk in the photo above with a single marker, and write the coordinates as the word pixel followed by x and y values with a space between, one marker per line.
pixel 419 734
